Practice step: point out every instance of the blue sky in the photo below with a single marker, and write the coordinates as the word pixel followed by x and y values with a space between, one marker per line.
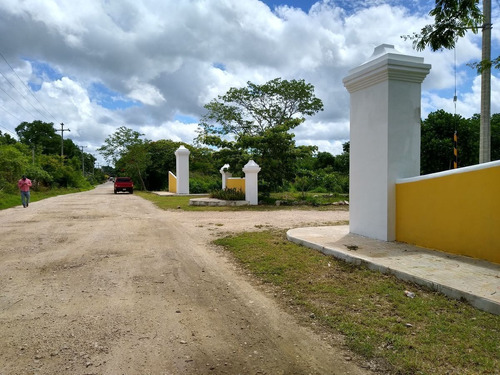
pixel 151 66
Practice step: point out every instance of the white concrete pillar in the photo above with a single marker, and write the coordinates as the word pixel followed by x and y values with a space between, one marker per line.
pixel 251 170
pixel 182 170
pixel 225 175
pixel 384 137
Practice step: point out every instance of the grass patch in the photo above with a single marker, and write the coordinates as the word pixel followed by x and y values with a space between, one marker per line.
pixel 429 334
pixel 181 202
pixel 8 200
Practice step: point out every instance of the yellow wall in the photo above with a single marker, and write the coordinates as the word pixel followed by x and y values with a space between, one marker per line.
pixel 236 183
pixel 172 183
pixel 456 212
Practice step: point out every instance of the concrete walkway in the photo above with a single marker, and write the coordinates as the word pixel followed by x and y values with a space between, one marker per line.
pixel 458 277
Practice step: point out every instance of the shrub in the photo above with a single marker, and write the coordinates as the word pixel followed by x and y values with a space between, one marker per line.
pixel 201 184
pixel 228 195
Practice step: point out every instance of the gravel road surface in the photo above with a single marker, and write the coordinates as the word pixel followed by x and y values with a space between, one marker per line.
pixel 98 283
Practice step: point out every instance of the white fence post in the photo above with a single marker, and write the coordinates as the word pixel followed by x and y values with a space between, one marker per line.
pixel 251 170
pixel 182 170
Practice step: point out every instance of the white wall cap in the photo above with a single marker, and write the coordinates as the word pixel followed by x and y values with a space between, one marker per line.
pixel 251 166
pixel 182 151
pixel 224 168
pixel 385 53
pixel 450 172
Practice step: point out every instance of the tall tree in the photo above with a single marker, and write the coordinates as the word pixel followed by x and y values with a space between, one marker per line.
pixel 437 141
pixel 452 19
pixel 7 139
pixel 135 162
pixel 258 119
pixel 162 154
pixel 40 136
pixel 119 143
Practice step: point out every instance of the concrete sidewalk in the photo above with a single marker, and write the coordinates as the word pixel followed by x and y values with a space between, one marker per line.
pixel 458 277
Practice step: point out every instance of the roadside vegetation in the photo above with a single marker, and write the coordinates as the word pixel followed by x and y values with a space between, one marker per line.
pixel 389 331
pixel 274 201
pixel 8 200
pixel 37 154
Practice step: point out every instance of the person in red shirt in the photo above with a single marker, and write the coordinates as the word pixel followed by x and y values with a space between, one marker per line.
pixel 24 185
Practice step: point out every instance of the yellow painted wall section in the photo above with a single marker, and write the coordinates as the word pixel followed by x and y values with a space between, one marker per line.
pixel 236 183
pixel 172 182
pixel 457 212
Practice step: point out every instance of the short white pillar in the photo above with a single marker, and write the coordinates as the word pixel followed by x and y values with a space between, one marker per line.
pixel 182 170
pixel 225 175
pixel 384 137
pixel 251 170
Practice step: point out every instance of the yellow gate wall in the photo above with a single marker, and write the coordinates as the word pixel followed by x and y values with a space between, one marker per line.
pixel 172 182
pixel 235 183
pixel 455 211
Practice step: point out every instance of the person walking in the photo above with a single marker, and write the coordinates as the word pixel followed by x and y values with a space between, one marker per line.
pixel 24 185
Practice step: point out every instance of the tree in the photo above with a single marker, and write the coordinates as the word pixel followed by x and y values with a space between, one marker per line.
pixel 40 136
pixel 452 18
pixel 437 141
pixel 13 163
pixel 7 139
pixel 135 162
pixel 258 119
pixel 119 143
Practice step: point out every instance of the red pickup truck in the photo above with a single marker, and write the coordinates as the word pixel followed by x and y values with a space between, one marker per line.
pixel 124 184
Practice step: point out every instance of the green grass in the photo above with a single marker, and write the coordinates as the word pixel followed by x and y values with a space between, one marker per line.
pixel 429 334
pixel 8 200
pixel 181 202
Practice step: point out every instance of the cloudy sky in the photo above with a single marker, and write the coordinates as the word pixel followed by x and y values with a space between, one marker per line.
pixel 151 65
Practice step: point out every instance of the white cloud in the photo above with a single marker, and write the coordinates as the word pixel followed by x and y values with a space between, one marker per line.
pixel 174 56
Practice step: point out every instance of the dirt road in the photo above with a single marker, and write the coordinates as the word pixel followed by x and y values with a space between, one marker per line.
pixel 97 283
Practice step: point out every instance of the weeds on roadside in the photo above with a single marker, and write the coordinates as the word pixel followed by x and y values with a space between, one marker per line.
pixel 287 201
pixel 228 194
pixel 8 200
pixel 428 334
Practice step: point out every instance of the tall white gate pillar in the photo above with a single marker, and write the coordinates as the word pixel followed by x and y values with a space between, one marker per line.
pixel 251 170
pixel 182 170
pixel 384 137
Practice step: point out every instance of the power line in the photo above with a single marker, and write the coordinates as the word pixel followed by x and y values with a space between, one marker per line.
pixel 22 95
pixel 15 135
pixel 8 112
pixel 27 88
pixel 19 104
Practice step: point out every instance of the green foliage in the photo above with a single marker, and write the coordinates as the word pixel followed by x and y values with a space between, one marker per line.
pixel 118 144
pixel 6 139
pixel 321 181
pixel 256 120
pixel 201 183
pixel 40 136
pixel 452 19
pixel 251 110
pixel 162 156
pixel 437 141
pixel 37 155
pixel 13 163
pixel 134 163
pixel 228 194
pixel 39 176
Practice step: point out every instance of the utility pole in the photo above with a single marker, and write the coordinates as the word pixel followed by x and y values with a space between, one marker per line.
pixel 62 139
pixel 83 160
pixel 485 130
